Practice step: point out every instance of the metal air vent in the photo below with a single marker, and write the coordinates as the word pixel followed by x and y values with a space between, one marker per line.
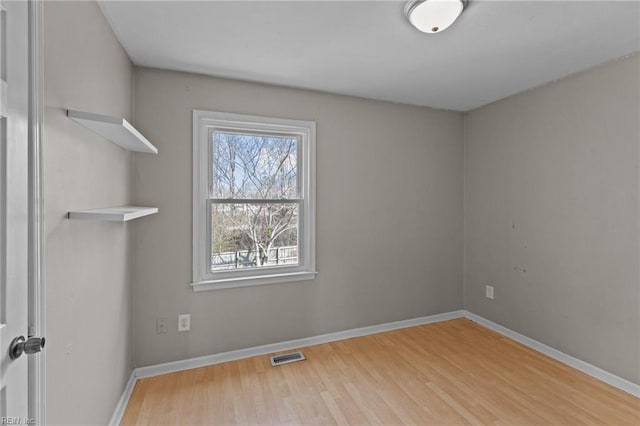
pixel 286 358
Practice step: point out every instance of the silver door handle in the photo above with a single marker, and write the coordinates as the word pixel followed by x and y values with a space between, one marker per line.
pixel 20 346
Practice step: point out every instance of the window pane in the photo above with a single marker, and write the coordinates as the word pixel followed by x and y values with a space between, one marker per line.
pixel 254 166
pixel 248 235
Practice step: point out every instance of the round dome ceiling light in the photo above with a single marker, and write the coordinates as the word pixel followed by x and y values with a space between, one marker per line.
pixel 434 16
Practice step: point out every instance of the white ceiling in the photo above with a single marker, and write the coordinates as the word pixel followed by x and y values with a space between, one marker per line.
pixel 368 49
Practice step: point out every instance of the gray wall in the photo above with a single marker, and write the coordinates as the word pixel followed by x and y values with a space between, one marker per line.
pixel 88 264
pixel 552 217
pixel 389 218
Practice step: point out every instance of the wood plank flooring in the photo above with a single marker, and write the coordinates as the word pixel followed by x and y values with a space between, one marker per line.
pixel 453 372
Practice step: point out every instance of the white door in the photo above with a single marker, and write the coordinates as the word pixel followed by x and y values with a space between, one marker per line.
pixel 14 99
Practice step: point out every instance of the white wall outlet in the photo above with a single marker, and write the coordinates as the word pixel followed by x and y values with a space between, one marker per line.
pixel 184 322
pixel 488 292
pixel 161 326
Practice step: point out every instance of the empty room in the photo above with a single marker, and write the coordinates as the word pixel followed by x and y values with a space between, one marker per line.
pixel 420 212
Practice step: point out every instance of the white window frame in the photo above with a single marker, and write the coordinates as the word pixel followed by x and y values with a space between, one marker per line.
pixel 204 122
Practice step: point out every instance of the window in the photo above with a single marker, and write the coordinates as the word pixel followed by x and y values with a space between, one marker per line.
pixel 253 200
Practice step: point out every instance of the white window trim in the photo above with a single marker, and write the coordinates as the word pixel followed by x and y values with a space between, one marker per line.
pixel 203 278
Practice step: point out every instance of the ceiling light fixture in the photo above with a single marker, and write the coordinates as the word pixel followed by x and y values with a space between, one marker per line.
pixel 434 16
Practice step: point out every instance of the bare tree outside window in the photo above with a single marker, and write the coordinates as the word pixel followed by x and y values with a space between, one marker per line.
pixel 255 200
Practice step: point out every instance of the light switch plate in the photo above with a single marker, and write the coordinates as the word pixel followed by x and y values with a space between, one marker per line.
pixel 489 292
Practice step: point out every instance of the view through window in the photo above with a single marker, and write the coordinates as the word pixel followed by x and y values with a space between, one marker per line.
pixel 255 204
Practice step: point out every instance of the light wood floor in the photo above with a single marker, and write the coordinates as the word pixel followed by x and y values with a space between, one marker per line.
pixel 453 372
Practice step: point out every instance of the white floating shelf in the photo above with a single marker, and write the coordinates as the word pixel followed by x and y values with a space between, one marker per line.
pixel 116 130
pixel 114 214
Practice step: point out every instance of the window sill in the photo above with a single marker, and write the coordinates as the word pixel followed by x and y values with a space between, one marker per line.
pixel 252 281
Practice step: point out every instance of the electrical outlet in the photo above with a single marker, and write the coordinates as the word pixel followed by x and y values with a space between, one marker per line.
pixel 161 326
pixel 489 292
pixel 184 322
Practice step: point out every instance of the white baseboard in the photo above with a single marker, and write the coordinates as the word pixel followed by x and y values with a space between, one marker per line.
pixel 187 364
pixel 124 400
pixel 171 367
pixel 576 363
